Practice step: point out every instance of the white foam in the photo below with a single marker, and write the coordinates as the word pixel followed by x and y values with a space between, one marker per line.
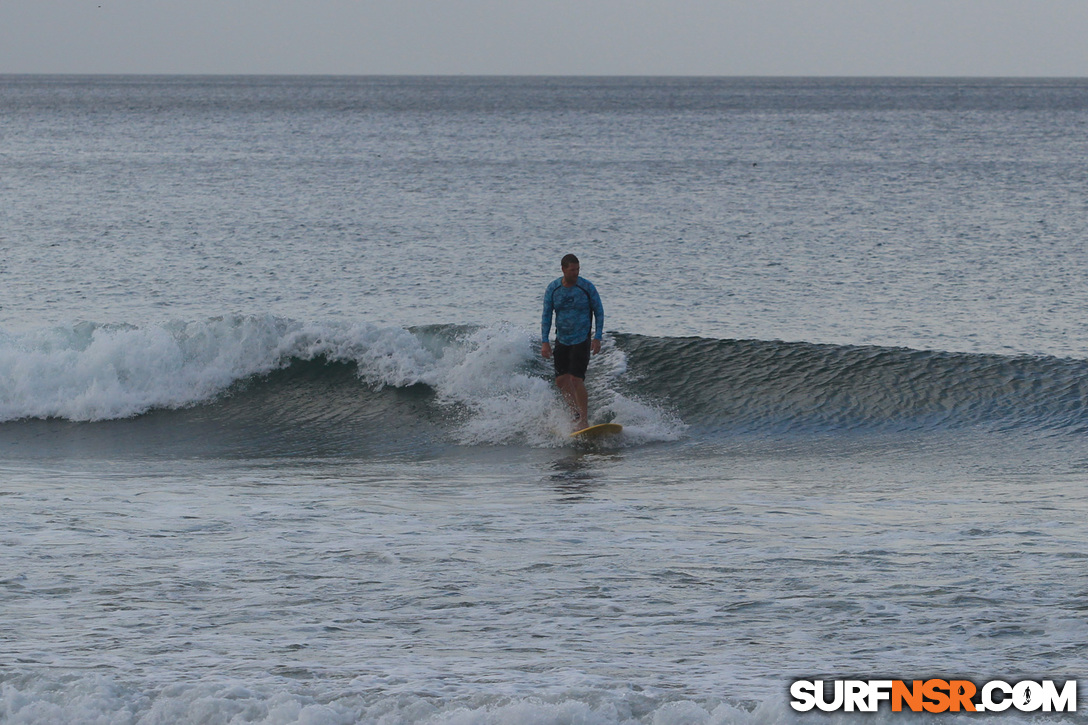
pixel 494 384
pixel 97 699
pixel 490 374
pixel 497 374
pixel 98 372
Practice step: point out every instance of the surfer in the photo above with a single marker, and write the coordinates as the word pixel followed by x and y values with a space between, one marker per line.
pixel 575 303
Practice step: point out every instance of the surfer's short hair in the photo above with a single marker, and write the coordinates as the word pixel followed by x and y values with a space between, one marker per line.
pixel 568 260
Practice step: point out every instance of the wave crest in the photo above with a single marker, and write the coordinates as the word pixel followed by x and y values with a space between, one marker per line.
pixel 275 377
pixel 93 372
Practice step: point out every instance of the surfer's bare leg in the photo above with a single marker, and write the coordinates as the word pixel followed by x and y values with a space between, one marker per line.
pixel 574 392
pixel 581 399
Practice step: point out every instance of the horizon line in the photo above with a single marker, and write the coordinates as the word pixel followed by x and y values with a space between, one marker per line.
pixel 172 74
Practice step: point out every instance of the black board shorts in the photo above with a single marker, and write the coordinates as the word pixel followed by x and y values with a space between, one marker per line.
pixel 571 359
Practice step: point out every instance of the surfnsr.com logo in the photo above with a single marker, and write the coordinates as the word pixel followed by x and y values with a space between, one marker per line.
pixel 933 696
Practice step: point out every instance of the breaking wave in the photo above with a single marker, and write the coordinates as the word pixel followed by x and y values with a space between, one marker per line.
pixel 275 386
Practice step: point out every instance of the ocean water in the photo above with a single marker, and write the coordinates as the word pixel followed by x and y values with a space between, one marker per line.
pixel 277 444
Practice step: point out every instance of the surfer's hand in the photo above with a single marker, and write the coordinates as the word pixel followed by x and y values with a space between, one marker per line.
pixel 595 346
pixel 546 350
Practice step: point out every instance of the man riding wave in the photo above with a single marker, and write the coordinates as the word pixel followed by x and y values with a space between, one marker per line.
pixel 575 305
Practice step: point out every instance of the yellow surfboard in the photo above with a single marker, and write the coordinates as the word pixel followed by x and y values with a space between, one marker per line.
pixel 596 431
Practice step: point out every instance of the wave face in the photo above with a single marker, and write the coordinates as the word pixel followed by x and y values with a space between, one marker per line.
pixel 274 386
pixel 796 387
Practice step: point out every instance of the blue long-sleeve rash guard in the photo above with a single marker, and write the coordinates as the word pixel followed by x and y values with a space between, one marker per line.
pixel 575 308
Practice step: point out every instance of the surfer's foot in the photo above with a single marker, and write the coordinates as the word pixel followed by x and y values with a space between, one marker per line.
pixel 580 423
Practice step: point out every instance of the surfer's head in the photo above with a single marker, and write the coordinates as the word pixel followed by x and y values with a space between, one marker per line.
pixel 570 269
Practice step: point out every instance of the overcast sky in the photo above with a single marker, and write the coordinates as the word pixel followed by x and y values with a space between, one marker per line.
pixel 561 37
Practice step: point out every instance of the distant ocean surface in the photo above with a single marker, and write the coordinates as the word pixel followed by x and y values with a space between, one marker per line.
pixel 277 444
